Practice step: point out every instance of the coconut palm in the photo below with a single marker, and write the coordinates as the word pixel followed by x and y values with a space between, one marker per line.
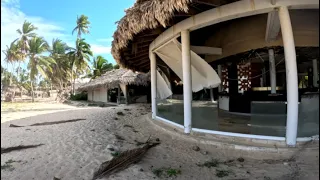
pixel 79 58
pixel 59 74
pixel 100 66
pixel 12 55
pixel 26 32
pixel 37 61
pixel 82 26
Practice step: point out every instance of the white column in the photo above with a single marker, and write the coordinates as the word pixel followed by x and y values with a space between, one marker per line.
pixel 187 86
pixel 220 75
pixel 291 75
pixel 273 75
pixel 153 71
pixel 315 72
pixel 211 95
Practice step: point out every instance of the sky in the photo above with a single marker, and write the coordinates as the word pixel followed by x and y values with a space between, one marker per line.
pixel 57 19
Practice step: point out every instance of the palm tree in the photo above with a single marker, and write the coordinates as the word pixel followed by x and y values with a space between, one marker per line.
pixel 37 61
pixel 59 75
pixel 26 32
pixel 100 66
pixel 82 26
pixel 12 55
pixel 79 58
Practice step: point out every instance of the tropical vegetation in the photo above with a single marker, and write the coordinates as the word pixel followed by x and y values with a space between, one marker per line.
pixel 37 64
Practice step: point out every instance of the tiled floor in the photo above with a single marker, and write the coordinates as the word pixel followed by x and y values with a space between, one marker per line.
pixel 206 115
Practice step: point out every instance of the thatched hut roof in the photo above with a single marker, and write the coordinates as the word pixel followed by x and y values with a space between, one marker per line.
pixel 112 79
pixel 145 20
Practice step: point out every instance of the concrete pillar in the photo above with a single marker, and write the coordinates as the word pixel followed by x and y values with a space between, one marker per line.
pixel 273 75
pixel 153 71
pixel 220 76
pixel 211 95
pixel 187 86
pixel 291 76
pixel 315 72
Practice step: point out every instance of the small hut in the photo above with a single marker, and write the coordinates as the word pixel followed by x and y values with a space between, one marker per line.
pixel 120 85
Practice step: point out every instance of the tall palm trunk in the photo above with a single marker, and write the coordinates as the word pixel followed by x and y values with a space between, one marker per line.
pixel 32 93
pixel 14 89
pixel 18 73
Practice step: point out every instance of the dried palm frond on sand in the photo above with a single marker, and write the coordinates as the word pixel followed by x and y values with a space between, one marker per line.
pixel 49 123
pixel 17 148
pixel 124 160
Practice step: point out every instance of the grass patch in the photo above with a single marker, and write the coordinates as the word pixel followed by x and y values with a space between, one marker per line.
pixel 209 164
pixel 8 165
pixel 115 154
pixel 222 173
pixel 166 172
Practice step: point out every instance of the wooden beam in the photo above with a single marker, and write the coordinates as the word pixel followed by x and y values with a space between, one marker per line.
pixel 206 50
pixel 207 2
pixel 273 27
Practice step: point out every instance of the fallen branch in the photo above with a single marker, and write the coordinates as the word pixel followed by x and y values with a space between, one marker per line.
pixel 124 160
pixel 17 148
pixel 49 123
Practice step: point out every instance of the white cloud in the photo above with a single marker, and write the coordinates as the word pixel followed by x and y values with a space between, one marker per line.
pixel 105 40
pixel 99 49
pixel 12 19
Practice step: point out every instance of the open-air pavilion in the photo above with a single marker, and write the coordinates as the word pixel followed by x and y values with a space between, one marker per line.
pixel 258 59
pixel 126 85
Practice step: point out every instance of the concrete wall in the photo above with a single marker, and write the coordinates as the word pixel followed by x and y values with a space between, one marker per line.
pixel 99 95
pixel 89 95
pixel 248 33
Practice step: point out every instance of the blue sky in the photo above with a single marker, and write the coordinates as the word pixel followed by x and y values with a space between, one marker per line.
pixel 57 18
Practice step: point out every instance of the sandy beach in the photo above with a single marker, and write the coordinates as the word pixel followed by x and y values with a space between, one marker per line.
pixel 74 150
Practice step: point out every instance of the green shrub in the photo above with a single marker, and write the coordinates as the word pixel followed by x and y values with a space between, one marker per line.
pixel 79 97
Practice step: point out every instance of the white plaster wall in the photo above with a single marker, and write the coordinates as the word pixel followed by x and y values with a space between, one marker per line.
pixel 103 95
pixel 89 95
pixel 224 103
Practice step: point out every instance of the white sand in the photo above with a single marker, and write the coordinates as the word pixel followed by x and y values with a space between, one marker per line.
pixel 74 150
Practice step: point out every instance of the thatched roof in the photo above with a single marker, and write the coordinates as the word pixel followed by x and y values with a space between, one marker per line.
pixel 147 19
pixel 112 79
pixel 15 88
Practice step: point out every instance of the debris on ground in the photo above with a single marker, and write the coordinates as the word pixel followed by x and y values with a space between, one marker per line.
pixel 17 148
pixel 120 113
pixel 240 159
pixel 209 164
pixel 195 148
pixel 222 173
pixel 50 123
pixel 121 162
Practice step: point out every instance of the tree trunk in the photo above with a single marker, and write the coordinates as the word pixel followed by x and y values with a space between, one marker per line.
pixel 32 94
pixel 18 73
pixel 14 89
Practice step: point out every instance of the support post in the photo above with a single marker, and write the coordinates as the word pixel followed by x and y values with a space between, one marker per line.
pixel 273 75
pixel 153 71
pixel 107 94
pixel 211 95
pixel 119 94
pixel 127 94
pixel 315 72
pixel 291 76
pixel 92 95
pixel 220 75
pixel 187 86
